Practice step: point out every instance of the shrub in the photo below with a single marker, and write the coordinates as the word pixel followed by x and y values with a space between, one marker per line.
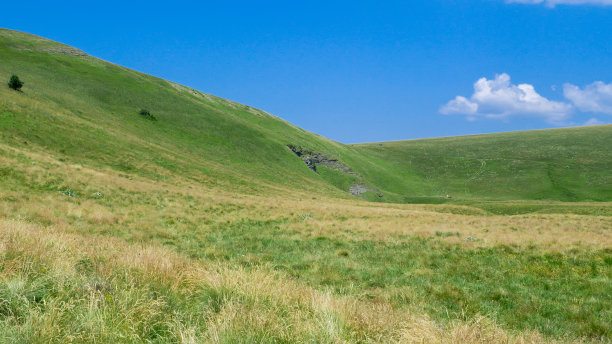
pixel 15 83
pixel 146 114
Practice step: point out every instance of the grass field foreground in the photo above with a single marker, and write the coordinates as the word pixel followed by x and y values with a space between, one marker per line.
pixel 203 226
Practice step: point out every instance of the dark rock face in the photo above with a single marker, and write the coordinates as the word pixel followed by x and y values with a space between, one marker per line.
pixel 313 159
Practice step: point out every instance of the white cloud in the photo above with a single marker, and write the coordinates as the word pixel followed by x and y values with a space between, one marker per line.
pixel 596 97
pixel 553 3
pixel 498 98
pixel 593 121
pixel 459 105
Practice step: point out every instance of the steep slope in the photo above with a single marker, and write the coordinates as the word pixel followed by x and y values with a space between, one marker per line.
pixel 85 110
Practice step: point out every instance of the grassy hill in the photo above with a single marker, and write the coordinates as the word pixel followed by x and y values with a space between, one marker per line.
pixel 87 109
pixel 562 164
pixel 210 223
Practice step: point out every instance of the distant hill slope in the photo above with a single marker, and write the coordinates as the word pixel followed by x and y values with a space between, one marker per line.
pixel 85 110
pixel 570 164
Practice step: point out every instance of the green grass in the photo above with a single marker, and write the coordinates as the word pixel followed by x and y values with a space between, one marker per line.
pixel 87 110
pixel 562 164
pixel 203 226
pixel 42 304
pixel 522 287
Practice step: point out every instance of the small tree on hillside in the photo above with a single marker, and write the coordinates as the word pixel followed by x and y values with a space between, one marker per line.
pixel 15 83
pixel 146 114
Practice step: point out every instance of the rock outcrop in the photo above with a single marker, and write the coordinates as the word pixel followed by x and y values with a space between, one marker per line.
pixel 314 159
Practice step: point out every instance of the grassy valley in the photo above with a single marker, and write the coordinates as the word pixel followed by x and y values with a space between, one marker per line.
pixel 204 225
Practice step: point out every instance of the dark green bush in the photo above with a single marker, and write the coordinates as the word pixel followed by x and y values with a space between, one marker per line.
pixel 15 83
pixel 146 114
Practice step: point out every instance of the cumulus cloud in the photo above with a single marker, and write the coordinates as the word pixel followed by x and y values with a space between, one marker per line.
pixel 553 3
pixel 596 97
pixel 459 105
pixel 499 98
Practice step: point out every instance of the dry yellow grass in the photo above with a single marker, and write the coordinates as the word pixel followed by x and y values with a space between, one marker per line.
pixel 379 221
pixel 117 229
pixel 258 298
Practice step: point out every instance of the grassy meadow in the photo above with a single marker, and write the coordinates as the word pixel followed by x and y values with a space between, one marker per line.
pixel 203 227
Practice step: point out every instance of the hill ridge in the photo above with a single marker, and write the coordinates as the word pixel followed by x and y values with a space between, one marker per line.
pixel 86 110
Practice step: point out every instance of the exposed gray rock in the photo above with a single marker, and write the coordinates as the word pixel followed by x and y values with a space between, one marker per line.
pixel 359 188
pixel 313 159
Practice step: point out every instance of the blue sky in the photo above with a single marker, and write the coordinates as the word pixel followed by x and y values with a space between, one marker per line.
pixel 358 71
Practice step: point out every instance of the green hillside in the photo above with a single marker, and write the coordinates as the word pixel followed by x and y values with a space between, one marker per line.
pixel 208 221
pixel 571 164
pixel 86 110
